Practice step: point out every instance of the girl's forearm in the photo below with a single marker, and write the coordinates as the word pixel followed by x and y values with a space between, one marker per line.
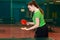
pixel 33 27
pixel 31 23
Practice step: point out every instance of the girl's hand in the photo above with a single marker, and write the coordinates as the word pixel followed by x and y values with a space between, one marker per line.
pixel 28 23
pixel 24 28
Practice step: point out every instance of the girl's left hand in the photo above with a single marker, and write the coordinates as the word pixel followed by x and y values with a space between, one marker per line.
pixel 24 28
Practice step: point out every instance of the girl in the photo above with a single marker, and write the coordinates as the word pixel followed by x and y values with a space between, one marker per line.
pixel 38 21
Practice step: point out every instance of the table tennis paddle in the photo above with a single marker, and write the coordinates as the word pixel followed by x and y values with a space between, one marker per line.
pixel 23 22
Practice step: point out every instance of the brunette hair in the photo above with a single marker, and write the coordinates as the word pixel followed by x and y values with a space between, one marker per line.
pixel 35 4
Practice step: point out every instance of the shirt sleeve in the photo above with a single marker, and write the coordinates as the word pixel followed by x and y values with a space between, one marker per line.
pixel 37 14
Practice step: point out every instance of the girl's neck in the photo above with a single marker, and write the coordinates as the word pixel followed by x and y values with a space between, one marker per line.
pixel 35 9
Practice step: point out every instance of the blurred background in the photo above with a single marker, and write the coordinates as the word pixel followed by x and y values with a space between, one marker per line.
pixel 12 11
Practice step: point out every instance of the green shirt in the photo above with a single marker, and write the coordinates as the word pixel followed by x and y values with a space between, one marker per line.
pixel 38 14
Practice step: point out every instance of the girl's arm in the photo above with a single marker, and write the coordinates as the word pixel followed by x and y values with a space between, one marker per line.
pixel 31 23
pixel 35 26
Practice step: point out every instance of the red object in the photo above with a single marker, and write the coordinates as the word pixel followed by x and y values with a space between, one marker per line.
pixel 23 22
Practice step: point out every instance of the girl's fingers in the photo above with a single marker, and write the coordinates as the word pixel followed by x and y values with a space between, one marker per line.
pixel 24 28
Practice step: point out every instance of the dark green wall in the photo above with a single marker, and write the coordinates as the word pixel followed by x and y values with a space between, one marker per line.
pixel 4 11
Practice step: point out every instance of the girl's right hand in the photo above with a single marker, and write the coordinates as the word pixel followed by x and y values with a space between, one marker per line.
pixel 28 23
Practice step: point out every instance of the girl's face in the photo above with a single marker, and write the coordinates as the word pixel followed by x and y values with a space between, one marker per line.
pixel 30 8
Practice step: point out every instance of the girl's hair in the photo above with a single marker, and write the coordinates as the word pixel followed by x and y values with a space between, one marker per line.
pixel 34 3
